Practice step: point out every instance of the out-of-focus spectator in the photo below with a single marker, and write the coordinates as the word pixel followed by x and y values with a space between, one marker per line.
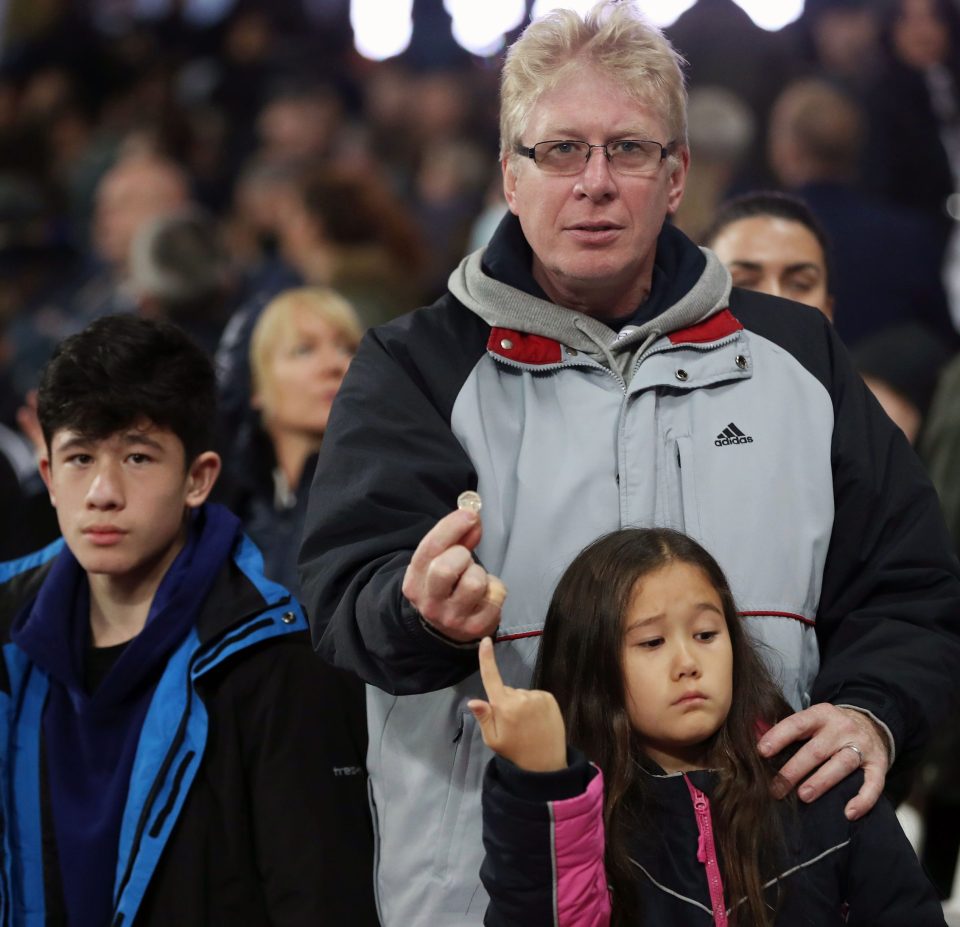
pixel 27 520
pixel 940 445
pixel 261 196
pixel 913 155
pixel 721 129
pixel 180 272
pixel 343 229
pixel 887 260
pixel 299 352
pixel 389 102
pixel 299 125
pixel 137 190
pixel 772 243
pixel 838 40
pixel 346 230
pixel 705 34
pixel 901 366
pixel 939 448
pixel 449 193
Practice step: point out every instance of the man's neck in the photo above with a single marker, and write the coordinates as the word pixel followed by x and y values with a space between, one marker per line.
pixel 604 304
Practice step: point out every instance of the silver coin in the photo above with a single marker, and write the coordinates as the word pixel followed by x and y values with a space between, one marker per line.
pixel 469 501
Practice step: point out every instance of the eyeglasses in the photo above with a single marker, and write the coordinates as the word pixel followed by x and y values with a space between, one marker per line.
pixel 625 155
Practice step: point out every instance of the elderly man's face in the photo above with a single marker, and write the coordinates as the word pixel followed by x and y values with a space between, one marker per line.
pixel 594 234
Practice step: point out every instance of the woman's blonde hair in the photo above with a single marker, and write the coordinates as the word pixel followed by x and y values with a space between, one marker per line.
pixel 617 40
pixel 277 323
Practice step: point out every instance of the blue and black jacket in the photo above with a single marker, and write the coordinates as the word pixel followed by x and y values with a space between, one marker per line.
pixel 247 800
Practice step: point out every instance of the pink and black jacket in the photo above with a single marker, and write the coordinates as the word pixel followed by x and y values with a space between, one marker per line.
pixel 544 865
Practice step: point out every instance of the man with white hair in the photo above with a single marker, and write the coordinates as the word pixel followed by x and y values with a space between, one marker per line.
pixel 591 369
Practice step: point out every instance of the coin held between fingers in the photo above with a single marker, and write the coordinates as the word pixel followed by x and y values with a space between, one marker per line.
pixel 469 501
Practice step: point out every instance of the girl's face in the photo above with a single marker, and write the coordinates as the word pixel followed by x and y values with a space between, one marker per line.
pixel 677 664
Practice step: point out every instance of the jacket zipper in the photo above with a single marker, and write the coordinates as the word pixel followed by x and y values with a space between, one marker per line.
pixel 707 852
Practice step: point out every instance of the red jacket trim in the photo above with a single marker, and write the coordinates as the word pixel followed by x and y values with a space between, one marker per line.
pixel 717 326
pixel 516 637
pixel 524 348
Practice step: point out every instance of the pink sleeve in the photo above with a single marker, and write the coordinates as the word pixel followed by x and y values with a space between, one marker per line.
pixel 581 895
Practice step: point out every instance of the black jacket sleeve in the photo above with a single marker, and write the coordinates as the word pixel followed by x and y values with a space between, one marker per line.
pixel 888 623
pixel 389 469
pixel 889 617
pixel 302 742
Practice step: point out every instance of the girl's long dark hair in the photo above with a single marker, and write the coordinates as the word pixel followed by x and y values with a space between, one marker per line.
pixel 581 663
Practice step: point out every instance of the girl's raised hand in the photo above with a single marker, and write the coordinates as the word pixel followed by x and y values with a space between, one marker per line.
pixel 521 725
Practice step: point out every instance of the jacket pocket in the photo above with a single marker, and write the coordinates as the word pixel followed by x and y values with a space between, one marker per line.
pixel 459 844
pixel 687 482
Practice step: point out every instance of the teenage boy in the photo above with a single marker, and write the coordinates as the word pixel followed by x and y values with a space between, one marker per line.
pixel 174 752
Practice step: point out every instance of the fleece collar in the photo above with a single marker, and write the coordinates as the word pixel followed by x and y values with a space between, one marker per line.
pixel 54 631
pixel 496 284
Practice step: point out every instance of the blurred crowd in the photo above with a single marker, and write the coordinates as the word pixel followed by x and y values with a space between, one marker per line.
pixel 257 181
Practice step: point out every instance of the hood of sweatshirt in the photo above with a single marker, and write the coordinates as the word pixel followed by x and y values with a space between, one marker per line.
pixel 689 285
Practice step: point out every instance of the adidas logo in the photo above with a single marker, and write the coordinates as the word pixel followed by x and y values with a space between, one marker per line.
pixel 732 435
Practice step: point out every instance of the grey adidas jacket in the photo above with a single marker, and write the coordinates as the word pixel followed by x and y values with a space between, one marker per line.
pixel 735 417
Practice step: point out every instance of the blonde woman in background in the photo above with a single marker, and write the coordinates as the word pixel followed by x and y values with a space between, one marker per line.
pixel 300 350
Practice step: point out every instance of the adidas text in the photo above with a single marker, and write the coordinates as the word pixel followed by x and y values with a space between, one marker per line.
pixel 720 442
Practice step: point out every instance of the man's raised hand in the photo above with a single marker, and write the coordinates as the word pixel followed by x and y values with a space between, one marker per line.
pixel 453 593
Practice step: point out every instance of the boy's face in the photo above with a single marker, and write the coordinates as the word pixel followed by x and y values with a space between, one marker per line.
pixel 121 501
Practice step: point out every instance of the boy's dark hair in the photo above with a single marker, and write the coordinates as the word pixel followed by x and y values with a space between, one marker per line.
pixel 121 369
pixel 778 206
pixel 581 663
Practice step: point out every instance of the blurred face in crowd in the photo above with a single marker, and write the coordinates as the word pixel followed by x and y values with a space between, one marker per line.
pixel 845 39
pixel 776 256
pixel 130 195
pixel 295 129
pixel 593 234
pixel 302 242
pixel 920 36
pixel 303 373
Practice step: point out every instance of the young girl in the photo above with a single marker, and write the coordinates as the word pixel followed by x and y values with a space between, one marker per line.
pixel 648 673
